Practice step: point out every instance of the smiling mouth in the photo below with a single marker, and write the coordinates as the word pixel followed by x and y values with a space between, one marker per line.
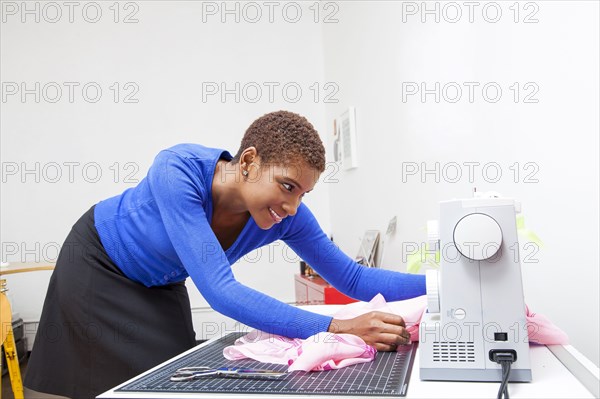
pixel 276 218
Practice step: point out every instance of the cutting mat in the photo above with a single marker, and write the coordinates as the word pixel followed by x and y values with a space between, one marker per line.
pixel 387 375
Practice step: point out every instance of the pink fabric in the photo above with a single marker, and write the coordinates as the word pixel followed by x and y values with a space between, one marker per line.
pixel 327 351
pixel 542 331
pixel 539 328
pixel 412 318
pixel 322 351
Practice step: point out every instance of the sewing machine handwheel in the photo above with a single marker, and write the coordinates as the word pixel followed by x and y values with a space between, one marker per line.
pixel 477 236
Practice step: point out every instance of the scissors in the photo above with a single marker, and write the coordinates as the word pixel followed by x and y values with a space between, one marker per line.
pixel 192 373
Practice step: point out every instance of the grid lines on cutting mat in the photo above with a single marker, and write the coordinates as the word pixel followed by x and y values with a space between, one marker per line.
pixel 387 375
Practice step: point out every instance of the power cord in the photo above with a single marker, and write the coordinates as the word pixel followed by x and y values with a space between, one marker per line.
pixel 505 357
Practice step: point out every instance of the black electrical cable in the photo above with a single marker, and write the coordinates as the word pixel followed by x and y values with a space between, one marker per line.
pixel 506 365
pixel 505 358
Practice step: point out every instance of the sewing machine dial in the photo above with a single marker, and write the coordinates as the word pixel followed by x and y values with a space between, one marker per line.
pixel 433 291
pixel 477 236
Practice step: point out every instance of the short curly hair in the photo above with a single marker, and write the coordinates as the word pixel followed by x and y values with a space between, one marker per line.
pixel 282 138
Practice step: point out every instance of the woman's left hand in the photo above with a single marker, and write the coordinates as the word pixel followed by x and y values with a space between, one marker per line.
pixel 384 331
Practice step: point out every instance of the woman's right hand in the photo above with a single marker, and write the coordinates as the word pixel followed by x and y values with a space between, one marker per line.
pixel 384 331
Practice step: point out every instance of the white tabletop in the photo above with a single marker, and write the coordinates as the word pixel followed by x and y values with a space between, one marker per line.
pixel 551 378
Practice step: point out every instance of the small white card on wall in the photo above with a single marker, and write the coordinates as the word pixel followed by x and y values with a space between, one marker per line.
pixel 346 133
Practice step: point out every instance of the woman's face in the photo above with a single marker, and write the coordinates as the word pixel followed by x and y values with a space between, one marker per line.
pixel 274 192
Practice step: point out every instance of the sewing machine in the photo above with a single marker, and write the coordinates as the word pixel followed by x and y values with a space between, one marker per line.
pixel 476 311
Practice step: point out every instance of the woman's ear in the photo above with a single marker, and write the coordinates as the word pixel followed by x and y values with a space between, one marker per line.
pixel 248 156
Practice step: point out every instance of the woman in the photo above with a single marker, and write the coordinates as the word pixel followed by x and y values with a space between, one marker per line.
pixel 117 304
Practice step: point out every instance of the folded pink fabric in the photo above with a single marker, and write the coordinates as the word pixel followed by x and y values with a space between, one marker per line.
pixel 327 351
pixel 322 351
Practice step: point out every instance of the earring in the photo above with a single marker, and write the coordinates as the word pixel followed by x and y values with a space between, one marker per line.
pixel 245 172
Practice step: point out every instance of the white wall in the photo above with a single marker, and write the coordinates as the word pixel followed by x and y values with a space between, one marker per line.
pixel 174 51
pixel 368 53
pixel 371 52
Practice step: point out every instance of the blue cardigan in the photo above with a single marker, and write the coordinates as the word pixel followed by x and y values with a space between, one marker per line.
pixel 159 233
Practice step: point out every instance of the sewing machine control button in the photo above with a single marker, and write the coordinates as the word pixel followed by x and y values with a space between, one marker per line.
pixel 460 314
pixel 477 236
pixel 500 336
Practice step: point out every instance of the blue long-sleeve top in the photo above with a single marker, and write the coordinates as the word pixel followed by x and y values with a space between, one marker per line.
pixel 159 233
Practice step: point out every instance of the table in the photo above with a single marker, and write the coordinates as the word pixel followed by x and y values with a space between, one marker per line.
pixel 558 372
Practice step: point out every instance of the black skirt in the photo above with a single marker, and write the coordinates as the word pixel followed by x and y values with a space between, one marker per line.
pixel 98 328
